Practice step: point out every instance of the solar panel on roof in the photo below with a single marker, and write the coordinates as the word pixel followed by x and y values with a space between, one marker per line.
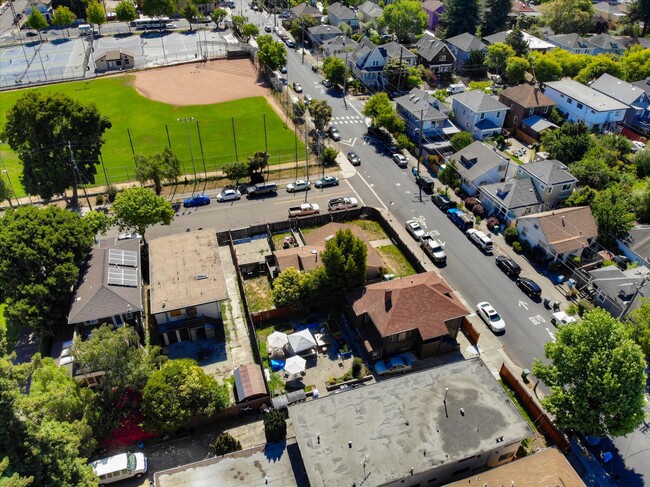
pixel 122 257
pixel 122 277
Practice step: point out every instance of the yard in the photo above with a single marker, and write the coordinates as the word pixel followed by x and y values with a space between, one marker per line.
pixel 258 293
pixel 371 229
pixel 148 122
pixel 394 261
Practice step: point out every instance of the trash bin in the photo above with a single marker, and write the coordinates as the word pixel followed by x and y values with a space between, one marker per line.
pixel 560 279
pixel 524 375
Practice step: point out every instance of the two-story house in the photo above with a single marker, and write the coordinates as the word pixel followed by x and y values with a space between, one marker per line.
pixel 367 62
pixel 551 179
pixel 435 55
pixel 43 6
pixel 369 12
pixel 338 14
pixel 618 291
pixel 610 11
pixel 419 109
pixel 560 234
pixel 338 46
pixel 525 101
pixel 582 103
pixel 479 164
pixel 574 43
pixel 305 9
pixel 462 45
pixel 478 113
pixel 607 44
pixel 638 113
pixel 434 10
pixel 319 34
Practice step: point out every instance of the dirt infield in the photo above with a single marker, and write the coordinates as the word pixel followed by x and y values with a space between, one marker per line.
pixel 202 83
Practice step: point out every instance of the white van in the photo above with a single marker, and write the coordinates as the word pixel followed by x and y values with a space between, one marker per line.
pixel 456 88
pixel 120 467
pixel 481 240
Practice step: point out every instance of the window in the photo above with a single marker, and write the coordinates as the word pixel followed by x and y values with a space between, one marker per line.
pixel 536 226
pixel 175 312
pixel 392 339
pixel 442 57
pixel 405 335
pixel 126 60
pixel 566 187
pixel 530 111
pixel 482 116
pixel 460 472
pixel 524 231
pixel 550 190
pixel 91 322
pixel 118 63
pixel 463 111
pixel 542 187
pixel 569 101
pixel 466 124
pixel 505 456
pixel 545 111
pixel 514 120
pixel 580 105
pixel 498 114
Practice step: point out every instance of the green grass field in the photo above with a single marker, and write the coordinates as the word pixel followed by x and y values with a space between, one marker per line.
pixel 148 122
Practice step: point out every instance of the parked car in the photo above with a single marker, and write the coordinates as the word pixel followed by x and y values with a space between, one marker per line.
pixel 415 229
pixel 425 182
pixel 326 181
pixel 196 200
pixel 529 287
pixel 480 239
pixel 120 467
pixel 290 43
pixel 400 160
pixel 507 265
pixel 342 203
pixel 308 99
pixel 299 185
pixel 326 83
pixel 228 195
pixel 268 28
pixel 334 133
pixel 561 318
pixel 491 318
pixel 297 87
pixel 128 235
pixel 442 201
pixel 394 365
pixel 434 249
pixel 354 159
pixel 637 146
pixel 283 69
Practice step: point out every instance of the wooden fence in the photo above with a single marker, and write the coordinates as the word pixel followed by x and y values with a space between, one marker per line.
pixel 472 333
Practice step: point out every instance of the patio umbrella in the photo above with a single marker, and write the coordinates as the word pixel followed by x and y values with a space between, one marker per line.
pixel 295 365
pixel 277 339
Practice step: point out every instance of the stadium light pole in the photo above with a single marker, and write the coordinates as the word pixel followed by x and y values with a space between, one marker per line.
pixel 185 121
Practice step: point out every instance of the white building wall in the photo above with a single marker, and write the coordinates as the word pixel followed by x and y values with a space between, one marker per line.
pixel 579 112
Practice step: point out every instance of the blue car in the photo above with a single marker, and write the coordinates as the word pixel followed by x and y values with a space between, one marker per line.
pixel 197 200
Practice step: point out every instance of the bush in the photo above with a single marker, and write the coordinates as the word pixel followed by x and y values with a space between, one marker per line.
pixel 357 368
pixel 112 192
pixel 516 246
pixel 403 142
pixel 572 310
pixel 512 235
pixel 99 199
pixel 275 426
pixel 479 211
pixel 492 222
pixel 329 156
pixel 470 203
pixel 584 306
pixel 525 246
pixel 224 443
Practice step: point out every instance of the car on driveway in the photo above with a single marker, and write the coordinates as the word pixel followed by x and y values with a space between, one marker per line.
pixel 354 159
pixel 529 287
pixel 561 318
pixel 395 365
pixel 196 200
pixel 414 228
pixel 299 185
pixel 326 83
pixel 297 87
pixel 334 133
pixel 228 195
pixel 491 318
pixel 326 181
pixel 442 201
pixel 400 160
pixel 507 265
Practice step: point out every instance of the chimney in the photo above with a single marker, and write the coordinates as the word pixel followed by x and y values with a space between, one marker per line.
pixel 388 299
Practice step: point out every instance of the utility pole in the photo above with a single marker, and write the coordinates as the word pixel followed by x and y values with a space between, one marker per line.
pixel 186 120
pixel 75 170
pixel 302 28
pixel 345 76
pixel 420 149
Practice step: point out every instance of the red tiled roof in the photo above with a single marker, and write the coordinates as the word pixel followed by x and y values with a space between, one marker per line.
pixel 527 96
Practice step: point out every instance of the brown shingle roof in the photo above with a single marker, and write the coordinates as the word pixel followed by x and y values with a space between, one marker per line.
pixel 300 258
pixel 431 5
pixel 424 302
pixel 566 229
pixel 527 96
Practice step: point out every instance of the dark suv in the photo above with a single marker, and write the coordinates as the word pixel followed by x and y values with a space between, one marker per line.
pixel 507 265
pixel 442 201
pixel 425 182
pixel 529 287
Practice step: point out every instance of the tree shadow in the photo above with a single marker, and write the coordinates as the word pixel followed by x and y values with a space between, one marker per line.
pixel 123 35
pixel 616 468
pixel 274 451
pixel 57 42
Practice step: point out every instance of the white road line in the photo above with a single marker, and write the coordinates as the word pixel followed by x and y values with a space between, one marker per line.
pixel 373 191
pixel 355 192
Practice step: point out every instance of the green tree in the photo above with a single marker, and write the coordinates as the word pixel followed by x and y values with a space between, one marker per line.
pixel 344 261
pixel 639 11
pixel 516 68
pixel 41 251
pixel 596 377
pixel 321 114
pixel 292 288
pixel 641 200
pixel 400 76
pixel 496 16
pixel 334 70
pixel 78 7
pixel 378 104
pixel 235 171
pixel 190 13
pixel 449 175
pixel 595 169
pixel 140 208
pixel 37 22
pixel 581 197
pixel 98 222
pixel 598 66
pixel 125 12
pixel 616 143
pixel 271 54
pixel 95 13
pixel 405 19
pixel 614 214
pixel 275 426
pixel 497 56
pixel 461 16
pixel 545 69
pixel 571 64
pixel 249 30
pixel 63 17
pixel 224 443
pixel 38 129
pixel 569 143
pixel 642 162
pixel 158 8
pixel 635 63
pixel 301 25
pixel 12 479
pixel 515 39
pixel 329 156
pixel 637 326
pixel 5 191
pixel 218 15
pixel 475 66
pixel 163 166
pixel 461 140
pixel 568 16
pixel 258 163
pixel 179 391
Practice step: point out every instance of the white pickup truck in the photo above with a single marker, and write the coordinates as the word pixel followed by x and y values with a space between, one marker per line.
pixel 305 209
pixel 344 203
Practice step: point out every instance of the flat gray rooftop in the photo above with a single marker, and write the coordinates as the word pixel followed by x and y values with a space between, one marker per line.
pixel 402 423
pixel 253 251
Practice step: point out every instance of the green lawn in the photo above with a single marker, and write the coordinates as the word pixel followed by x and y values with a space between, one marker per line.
pixel 148 122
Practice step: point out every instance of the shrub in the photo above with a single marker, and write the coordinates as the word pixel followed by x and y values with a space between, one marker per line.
pixel 525 246
pixel 224 443
pixel 492 222
pixel 275 426
pixel 516 246
pixel 584 306
pixel 112 192
pixel 99 199
pixel 470 203
pixel 477 220
pixel 572 310
pixel 403 142
pixel 357 368
pixel 512 235
pixel 575 259
pixel 479 211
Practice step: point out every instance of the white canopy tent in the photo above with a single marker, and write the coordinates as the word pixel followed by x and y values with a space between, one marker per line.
pixel 301 341
pixel 295 365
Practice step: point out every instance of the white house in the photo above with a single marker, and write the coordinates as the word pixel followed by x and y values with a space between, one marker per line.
pixel 574 43
pixel 582 103
pixel 637 100
pixel 480 114
pixel 551 179
pixel 479 164
pixel 368 60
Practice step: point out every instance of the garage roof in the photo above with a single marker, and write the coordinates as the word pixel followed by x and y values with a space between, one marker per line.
pixel 249 382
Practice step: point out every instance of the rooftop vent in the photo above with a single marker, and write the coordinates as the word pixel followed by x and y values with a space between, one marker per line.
pixel 200 277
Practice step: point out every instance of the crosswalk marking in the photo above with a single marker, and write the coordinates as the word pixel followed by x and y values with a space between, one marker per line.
pixel 347 119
